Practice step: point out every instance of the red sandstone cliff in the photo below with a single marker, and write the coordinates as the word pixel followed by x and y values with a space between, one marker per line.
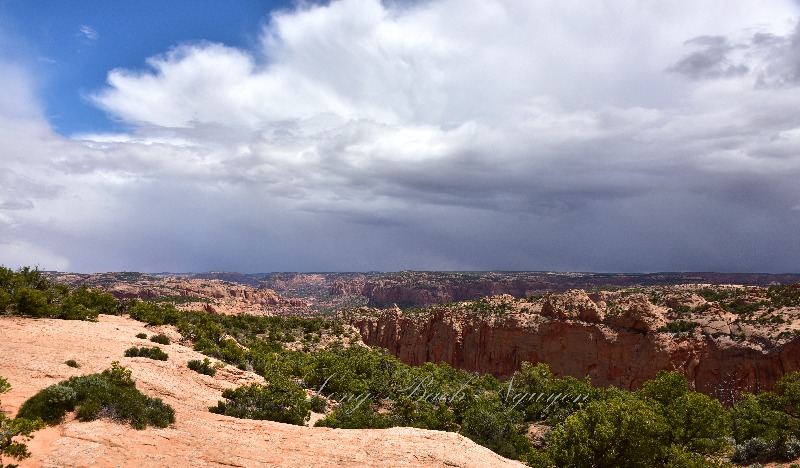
pixel 613 339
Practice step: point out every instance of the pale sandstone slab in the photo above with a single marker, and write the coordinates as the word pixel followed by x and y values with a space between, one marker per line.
pixel 32 353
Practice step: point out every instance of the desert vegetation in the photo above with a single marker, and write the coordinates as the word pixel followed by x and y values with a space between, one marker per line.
pixel 154 353
pixel 279 400
pixel 111 394
pixel 160 339
pixel 663 424
pixel 28 292
pixel 202 367
pixel 14 433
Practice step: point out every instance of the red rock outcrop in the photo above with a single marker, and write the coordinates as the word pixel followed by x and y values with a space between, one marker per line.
pixel 619 345
pixel 209 295
pixel 638 314
pixel 573 305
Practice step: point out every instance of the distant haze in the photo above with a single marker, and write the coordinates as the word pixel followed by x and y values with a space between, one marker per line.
pixel 363 135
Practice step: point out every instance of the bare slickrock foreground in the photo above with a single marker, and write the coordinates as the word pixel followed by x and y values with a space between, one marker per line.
pixel 32 355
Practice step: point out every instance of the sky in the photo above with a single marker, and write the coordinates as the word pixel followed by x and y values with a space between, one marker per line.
pixel 356 135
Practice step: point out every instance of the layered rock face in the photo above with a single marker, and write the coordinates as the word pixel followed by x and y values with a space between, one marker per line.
pixel 209 295
pixel 213 289
pixel 614 340
pixel 381 292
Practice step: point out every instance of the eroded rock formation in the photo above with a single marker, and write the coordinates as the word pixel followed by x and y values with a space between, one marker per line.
pixel 208 295
pixel 615 339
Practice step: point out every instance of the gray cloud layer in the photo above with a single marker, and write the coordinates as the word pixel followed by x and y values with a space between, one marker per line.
pixel 432 135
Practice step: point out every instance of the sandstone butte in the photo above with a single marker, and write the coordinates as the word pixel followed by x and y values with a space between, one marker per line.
pixel 611 337
pixel 32 355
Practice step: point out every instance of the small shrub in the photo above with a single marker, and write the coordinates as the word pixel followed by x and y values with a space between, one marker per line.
pixel 111 394
pixel 749 450
pixel 679 327
pixel 89 410
pixel 702 308
pixel 538 458
pixel 93 384
pixel 142 336
pixel 410 412
pixel 14 433
pixel 318 404
pixel 206 346
pixel 789 450
pixel 203 367
pixel 50 405
pixel 280 401
pixel 72 363
pixel 230 351
pixel 118 375
pixel 354 415
pixel 160 339
pixel 152 353
pixel 681 309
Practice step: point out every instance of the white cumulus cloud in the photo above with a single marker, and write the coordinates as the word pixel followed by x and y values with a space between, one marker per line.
pixel 366 135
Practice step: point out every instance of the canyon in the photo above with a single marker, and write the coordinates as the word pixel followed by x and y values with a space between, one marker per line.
pixel 610 337
pixel 613 332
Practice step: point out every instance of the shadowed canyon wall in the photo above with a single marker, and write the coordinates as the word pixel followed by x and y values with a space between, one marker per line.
pixel 619 352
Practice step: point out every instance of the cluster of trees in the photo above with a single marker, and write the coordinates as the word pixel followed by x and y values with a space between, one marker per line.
pixel 29 293
pixel 663 424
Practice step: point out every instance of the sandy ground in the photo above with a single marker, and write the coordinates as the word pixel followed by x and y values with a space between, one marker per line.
pixel 32 355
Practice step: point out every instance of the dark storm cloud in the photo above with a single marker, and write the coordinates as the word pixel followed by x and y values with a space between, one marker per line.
pixel 434 135
pixel 775 58
pixel 783 67
pixel 711 61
